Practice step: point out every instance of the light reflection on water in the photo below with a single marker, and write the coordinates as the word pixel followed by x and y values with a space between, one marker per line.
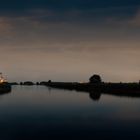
pixel 38 112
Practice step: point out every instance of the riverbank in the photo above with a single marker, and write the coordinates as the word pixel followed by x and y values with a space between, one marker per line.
pixel 121 89
pixel 5 88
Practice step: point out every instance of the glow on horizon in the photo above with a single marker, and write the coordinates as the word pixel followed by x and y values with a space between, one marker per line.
pixel 113 65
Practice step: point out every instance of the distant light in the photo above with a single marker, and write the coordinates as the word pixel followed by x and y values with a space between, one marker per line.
pixel 2 80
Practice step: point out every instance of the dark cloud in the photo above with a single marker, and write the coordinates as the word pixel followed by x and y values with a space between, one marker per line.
pixel 24 7
pixel 68 20
pixel 66 4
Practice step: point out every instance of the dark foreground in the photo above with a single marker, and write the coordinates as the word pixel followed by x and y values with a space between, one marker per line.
pixel 5 88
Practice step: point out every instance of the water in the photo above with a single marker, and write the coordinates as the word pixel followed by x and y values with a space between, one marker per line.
pixel 38 112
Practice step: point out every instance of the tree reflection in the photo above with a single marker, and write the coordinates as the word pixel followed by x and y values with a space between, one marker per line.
pixel 95 95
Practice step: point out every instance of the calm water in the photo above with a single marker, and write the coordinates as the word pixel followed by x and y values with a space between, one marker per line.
pixel 38 112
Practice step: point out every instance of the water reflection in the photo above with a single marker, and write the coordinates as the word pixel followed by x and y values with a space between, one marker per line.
pixel 95 94
pixel 34 113
pixel 2 92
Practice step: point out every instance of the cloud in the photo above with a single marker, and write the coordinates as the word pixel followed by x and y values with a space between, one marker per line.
pixel 58 25
pixel 23 7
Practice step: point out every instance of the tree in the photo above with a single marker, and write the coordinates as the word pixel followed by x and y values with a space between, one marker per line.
pixel 95 79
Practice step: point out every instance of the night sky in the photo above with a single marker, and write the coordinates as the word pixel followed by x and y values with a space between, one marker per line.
pixel 69 40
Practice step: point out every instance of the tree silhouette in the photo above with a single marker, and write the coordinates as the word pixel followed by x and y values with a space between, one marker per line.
pixel 95 79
